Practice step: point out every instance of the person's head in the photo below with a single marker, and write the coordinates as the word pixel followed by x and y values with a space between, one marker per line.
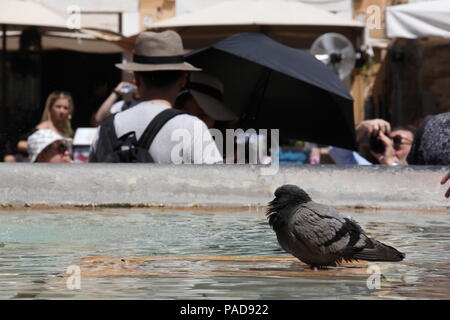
pixel 59 109
pixel 186 102
pixel 135 93
pixel 169 82
pixel 403 137
pixel 45 145
pixel 431 145
pixel 158 64
pixel 203 98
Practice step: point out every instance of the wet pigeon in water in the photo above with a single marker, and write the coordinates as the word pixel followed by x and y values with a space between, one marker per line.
pixel 318 235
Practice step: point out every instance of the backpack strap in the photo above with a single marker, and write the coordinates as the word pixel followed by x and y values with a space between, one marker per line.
pixel 155 125
pixel 107 140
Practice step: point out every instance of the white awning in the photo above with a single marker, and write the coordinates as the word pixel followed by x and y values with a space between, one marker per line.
pixel 419 20
pixel 29 13
pixel 52 40
pixel 52 25
pixel 292 23
pixel 258 12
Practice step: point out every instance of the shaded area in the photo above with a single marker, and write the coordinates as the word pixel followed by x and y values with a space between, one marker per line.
pixel 280 88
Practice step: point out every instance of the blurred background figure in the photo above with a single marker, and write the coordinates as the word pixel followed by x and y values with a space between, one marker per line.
pixel 203 97
pixel 45 145
pixel 314 154
pixel 57 116
pixel 127 95
pixel 9 158
pixel 431 145
pixel 377 144
pixel 402 138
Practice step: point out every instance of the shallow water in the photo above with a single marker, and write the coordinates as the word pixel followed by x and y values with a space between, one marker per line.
pixel 164 254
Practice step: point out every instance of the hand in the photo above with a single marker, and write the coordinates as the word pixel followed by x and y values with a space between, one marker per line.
pixel 22 146
pixel 372 127
pixel 388 157
pixel 314 156
pixel 124 84
pixel 118 90
pixel 443 181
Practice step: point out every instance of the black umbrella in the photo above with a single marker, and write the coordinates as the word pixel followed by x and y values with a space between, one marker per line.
pixel 272 86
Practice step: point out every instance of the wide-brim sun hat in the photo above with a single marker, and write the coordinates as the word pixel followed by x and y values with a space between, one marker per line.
pixel 41 139
pixel 158 51
pixel 208 91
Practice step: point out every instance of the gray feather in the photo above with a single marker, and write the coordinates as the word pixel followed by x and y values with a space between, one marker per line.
pixel 318 234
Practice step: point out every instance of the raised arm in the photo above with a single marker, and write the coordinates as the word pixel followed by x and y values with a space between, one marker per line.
pixel 105 108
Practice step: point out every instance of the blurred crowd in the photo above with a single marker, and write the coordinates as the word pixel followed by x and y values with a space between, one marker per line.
pixel 137 119
pixel 377 142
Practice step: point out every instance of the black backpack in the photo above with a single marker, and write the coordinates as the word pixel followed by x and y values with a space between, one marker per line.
pixel 127 148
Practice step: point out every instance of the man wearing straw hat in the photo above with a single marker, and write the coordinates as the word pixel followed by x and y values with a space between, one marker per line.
pixel 160 72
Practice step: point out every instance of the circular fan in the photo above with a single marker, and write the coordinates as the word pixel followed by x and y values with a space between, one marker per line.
pixel 336 51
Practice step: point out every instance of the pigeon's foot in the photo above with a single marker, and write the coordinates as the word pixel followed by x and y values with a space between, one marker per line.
pixel 315 268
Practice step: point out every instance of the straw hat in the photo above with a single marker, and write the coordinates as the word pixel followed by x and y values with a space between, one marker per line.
pixel 158 51
pixel 207 90
pixel 40 140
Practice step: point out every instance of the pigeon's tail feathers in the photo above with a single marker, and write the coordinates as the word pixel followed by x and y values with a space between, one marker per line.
pixel 379 252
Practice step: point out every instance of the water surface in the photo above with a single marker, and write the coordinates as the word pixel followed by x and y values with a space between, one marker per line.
pixel 169 254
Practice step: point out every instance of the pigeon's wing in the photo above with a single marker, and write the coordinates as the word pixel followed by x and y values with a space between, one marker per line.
pixel 324 210
pixel 325 229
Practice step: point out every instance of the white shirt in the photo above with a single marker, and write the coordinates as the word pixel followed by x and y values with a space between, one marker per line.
pixel 117 107
pixel 183 139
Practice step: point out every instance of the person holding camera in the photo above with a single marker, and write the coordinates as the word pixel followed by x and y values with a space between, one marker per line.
pixel 377 144
pixel 389 147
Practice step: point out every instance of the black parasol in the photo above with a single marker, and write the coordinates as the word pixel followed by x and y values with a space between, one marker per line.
pixel 272 86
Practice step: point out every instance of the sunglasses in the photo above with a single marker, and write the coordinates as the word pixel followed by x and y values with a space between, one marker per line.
pixel 399 140
pixel 61 148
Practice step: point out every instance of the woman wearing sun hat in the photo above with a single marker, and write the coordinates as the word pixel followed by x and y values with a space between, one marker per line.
pixel 203 97
pixel 45 145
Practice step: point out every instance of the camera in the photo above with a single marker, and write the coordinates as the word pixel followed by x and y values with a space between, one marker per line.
pixel 376 145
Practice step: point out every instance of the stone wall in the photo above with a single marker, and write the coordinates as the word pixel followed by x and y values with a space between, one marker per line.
pixel 410 187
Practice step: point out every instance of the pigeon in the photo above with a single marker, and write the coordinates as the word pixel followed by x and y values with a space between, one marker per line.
pixel 320 236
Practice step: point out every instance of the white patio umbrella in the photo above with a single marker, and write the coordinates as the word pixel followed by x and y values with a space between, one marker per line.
pixel 55 30
pixel 419 20
pixel 54 40
pixel 292 23
pixel 28 13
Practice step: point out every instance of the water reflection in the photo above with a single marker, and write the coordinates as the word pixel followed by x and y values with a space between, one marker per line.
pixel 159 254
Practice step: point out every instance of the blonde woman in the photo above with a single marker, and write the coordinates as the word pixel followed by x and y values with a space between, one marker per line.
pixel 57 116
